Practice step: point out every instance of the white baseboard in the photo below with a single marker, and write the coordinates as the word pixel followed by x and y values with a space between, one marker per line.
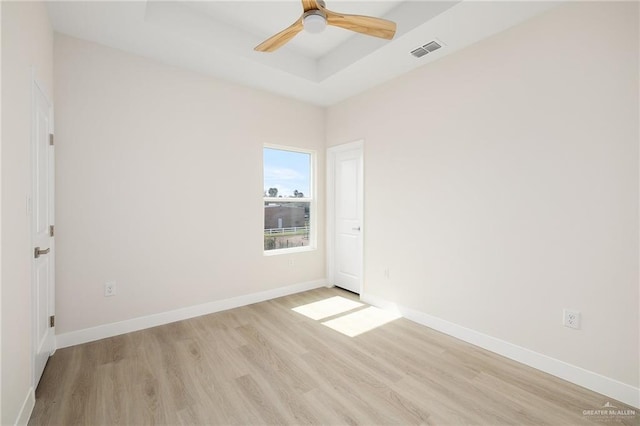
pixel 27 408
pixel 596 382
pixel 109 330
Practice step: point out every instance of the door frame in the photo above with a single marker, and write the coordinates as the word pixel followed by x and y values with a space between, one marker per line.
pixel 331 205
pixel 37 86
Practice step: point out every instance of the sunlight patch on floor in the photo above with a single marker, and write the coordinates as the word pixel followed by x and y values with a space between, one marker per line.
pixel 327 307
pixel 361 321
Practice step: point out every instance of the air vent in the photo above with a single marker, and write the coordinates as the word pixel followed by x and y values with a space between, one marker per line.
pixel 431 46
pixel 419 52
pixel 427 48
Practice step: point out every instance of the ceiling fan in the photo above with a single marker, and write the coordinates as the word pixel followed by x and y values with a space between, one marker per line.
pixel 316 17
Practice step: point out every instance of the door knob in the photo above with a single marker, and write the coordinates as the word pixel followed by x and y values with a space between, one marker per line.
pixel 37 252
pixel 355 229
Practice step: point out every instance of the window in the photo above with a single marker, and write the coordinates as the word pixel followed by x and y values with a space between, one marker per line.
pixel 289 207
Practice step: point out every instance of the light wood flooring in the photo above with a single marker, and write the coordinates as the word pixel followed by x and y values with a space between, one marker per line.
pixel 266 364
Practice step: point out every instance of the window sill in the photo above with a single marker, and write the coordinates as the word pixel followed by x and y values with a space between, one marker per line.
pixel 276 252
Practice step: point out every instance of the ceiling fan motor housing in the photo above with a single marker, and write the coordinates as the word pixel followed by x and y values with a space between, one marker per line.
pixel 314 21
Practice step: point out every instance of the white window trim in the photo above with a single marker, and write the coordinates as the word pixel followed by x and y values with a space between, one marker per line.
pixel 313 202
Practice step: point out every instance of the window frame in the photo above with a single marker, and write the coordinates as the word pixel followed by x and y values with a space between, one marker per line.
pixel 312 200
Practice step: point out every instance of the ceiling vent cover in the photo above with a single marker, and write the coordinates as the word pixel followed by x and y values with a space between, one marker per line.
pixel 419 52
pixel 427 48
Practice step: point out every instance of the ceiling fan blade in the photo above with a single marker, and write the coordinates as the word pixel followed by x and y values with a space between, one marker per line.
pixel 376 27
pixel 310 5
pixel 277 41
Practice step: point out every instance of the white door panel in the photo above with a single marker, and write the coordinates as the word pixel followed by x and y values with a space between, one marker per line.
pixel 347 252
pixel 347 220
pixel 41 277
pixel 41 238
pixel 346 187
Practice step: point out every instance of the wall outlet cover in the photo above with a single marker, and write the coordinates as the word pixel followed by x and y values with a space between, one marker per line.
pixel 109 288
pixel 571 318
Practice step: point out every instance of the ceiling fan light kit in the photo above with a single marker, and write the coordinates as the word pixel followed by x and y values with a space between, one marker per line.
pixel 314 22
pixel 316 17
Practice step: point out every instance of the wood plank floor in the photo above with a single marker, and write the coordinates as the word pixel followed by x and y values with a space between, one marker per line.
pixel 266 364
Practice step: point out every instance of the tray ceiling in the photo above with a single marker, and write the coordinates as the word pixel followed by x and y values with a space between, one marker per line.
pixel 217 38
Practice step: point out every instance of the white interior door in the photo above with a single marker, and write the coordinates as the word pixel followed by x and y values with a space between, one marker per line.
pixel 42 232
pixel 347 217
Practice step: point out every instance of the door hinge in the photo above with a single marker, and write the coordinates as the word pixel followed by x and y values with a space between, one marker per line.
pixel 52 321
pixel 50 138
pixel 52 230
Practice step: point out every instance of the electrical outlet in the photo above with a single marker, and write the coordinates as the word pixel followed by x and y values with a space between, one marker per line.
pixel 291 262
pixel 109 288
pixel 571 318
pixel 387 274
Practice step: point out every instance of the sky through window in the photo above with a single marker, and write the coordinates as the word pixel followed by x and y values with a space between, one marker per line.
pixel 287 171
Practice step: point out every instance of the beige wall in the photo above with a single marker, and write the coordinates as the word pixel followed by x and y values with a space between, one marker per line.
pixel 27 40
pixel 159 186
pixel 516 163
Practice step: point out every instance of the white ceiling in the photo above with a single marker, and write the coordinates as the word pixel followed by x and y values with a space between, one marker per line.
pixel 217 38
